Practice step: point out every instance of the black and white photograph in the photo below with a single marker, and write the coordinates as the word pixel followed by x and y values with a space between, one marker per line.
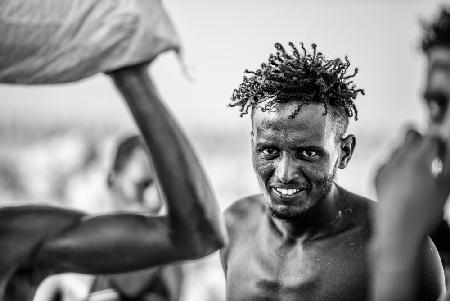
pixel 240 150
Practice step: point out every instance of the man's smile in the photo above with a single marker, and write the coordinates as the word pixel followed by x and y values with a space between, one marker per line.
pixel 286 191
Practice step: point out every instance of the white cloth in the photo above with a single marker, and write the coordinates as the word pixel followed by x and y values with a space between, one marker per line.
pixel 59 41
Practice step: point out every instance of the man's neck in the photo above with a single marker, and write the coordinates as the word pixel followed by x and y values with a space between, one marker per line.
pixel 318 221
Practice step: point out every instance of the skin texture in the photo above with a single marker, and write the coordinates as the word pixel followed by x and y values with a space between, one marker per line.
pixel 411 197
pixel 38 241
pixel 318 250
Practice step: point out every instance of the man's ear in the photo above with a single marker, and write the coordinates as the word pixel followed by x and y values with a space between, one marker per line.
pixel 347 147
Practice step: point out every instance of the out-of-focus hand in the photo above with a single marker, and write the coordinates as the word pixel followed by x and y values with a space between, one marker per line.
pixel 413 186
pixel 445 297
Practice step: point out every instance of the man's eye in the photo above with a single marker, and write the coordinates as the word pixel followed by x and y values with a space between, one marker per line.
pixel 269 151
pixel 308 153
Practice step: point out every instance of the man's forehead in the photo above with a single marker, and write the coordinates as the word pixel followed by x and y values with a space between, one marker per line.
pixel 309 122
pixel 282 116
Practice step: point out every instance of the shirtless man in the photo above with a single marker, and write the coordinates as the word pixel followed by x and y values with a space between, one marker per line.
pixel 304 237
pixel 38 241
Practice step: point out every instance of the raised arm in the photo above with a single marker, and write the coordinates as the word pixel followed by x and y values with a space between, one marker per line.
pixel 124 242
pixel 412 188
pixel 193 212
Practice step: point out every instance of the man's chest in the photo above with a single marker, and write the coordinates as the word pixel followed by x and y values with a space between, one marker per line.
pixel 329 269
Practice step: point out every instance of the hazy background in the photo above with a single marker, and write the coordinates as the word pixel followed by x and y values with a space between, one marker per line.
pixel 48 134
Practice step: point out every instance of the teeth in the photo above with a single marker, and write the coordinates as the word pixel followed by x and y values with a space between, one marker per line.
pixel 284 191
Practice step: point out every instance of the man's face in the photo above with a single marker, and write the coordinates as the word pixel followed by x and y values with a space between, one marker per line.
pixel 135 185
pixel 437 91
pixel 295 159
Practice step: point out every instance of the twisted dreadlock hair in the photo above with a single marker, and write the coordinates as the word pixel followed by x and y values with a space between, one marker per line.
pixel 298 76
pixel 437 32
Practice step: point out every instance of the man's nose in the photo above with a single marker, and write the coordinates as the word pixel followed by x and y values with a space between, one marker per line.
pixel 286 169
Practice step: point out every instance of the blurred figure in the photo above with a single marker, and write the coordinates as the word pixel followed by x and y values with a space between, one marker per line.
pixel 304 237
pixel 414 184
pixel 131 180
pixel 132 184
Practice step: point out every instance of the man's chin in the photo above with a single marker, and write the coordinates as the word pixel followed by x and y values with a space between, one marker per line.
pixel 285 213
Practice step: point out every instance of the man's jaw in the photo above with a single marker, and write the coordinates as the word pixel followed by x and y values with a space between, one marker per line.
pixel 284 216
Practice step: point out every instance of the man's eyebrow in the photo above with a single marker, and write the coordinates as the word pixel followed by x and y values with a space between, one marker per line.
pixel 264 143
pixel 311 147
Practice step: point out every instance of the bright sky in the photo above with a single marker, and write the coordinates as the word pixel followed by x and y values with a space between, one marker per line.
pixel 222 38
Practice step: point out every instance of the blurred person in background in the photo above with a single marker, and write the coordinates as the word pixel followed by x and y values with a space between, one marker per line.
pixel 56 41
pixel 414 184
pixel 304 237
pixel 132 186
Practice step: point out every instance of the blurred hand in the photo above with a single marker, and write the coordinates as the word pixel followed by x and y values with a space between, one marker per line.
pixel 413 186
pixel 445 297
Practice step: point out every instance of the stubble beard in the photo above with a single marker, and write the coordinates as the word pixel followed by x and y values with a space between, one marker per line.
pixel 324 187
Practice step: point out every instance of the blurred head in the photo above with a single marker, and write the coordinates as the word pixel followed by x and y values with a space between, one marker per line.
pixel 436 46
pixel 300 106
pixel 132 179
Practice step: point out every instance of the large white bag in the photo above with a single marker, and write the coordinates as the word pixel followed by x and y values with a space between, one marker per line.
pixel 59 41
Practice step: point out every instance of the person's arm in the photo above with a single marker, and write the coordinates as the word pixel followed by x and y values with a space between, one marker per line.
pixel 194 215
pixel 72 241
pixel 411 196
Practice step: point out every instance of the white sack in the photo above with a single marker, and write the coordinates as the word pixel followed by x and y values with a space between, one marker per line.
pixel 59 41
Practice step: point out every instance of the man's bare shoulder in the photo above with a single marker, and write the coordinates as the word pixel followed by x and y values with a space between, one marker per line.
pixel 244 210
pixel 358 203
pixel 241 219
pixel 361 208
